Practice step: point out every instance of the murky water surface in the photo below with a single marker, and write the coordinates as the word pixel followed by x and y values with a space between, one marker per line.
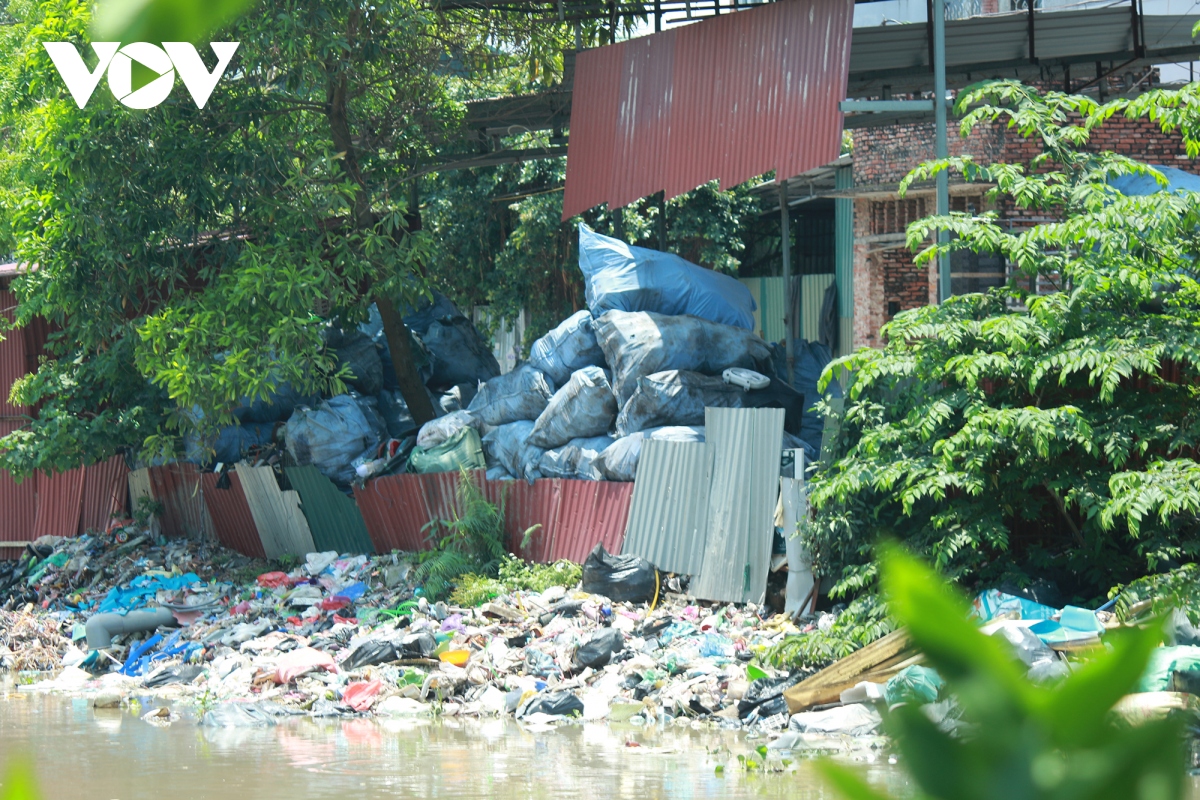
pixel 113 755
pixel 79 751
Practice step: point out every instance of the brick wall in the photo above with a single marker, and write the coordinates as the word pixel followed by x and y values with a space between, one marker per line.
pixel 885 278
pixel 885 155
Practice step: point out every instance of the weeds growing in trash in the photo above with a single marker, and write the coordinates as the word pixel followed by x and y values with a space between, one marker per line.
pixel 862 622
pixel 471 542
pixel 1160 594
pixel 1026 741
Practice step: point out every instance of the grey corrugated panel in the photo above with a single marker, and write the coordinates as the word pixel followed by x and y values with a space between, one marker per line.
pixel 277 515
pixel 668 517
pixel 333 518
pixel 744 447
pixel 812 296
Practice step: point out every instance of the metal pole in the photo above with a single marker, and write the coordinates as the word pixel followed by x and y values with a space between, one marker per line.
pixel 785 237
pixel 939 111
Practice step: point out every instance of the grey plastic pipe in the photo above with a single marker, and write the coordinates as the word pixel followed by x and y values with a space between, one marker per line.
pixel 102 627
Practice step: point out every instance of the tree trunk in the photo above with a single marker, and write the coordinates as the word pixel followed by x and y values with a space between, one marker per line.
pixel 412 388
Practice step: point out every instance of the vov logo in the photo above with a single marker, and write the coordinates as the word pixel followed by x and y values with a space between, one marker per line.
pixel 164 61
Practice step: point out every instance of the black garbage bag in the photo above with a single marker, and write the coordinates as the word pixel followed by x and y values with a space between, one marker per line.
pixel 180 673
pixel 460 354
pixel 419 645
pixel 764 690
pixel 359 355
pixel 396 416
pixel 600 649
pixel 555 703
pixel 619 578
pixel 373 651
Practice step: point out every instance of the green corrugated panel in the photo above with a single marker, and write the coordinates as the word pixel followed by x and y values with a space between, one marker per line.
pixel 844 258
pixel 334 519
pixel 772 301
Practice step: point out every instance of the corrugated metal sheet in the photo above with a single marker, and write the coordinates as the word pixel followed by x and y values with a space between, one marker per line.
pixel 526 505
pixel 104 489
pixel 812 295
pixel 574 515
pixel 18 503
pixel 843 211
pixel 277 515
pixel 744 454
pixel 59 494
pixel 728 98
pixel 395 508
pixel 794 502
pixel 507 342
pixel 589 513
pixel 233 523
pixel 13 364
pixel 668 517
pixel 333 518
pixel 179 489
pixel 769 306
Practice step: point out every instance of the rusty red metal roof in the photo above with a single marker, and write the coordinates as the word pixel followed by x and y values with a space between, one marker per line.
pixel 231 517
pixel 105 486
pixel 574 516
pixel 728 98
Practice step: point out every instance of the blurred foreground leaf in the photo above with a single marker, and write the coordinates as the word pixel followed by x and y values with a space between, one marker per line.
pixel 19 782
pixel 1021 740
pixel 163 20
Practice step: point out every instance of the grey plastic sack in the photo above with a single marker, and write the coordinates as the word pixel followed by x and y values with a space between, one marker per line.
pixel 330 437
pixel 675 397
pixel 520 394
pixel 618 276
pixel 278 406
pixel 619 460
pixel 508 446
pixel 576 460
pixel 569 347
pixel 585 406
pixel 230 445
pixel 637 344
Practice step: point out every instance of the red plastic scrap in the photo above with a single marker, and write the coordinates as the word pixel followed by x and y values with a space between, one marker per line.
pixel 273 580
pixel 360 696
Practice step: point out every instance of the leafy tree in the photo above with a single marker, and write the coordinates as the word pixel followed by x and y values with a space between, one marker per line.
pixel 189 258
pixel 1010 436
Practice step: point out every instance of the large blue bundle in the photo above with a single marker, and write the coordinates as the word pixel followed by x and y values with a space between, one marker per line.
pixel 619 277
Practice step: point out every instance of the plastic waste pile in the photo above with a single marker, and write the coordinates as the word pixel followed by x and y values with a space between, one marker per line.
pixel 348 636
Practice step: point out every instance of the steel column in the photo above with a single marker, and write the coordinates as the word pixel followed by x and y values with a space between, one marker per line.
pixel 939 111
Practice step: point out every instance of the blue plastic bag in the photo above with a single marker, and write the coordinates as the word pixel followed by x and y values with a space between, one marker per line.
pixel 620 277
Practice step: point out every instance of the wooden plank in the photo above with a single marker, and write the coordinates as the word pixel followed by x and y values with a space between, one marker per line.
pixel 15 544
pixel 828 684
pixel 281 524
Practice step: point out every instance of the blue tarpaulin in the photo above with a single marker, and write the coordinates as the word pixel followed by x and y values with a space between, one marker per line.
pixel 1142 185
pixel 140 590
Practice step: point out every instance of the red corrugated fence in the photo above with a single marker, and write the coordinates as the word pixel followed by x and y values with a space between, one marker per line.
pixel 574 516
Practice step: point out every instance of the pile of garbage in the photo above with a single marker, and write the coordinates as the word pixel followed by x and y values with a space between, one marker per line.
pixel 660 340
pixel 341 635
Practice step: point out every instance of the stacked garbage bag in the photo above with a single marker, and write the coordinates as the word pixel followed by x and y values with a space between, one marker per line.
pixel 661 340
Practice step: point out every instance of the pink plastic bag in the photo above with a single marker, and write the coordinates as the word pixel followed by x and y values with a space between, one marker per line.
pixel 360 696
pixel 300 661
